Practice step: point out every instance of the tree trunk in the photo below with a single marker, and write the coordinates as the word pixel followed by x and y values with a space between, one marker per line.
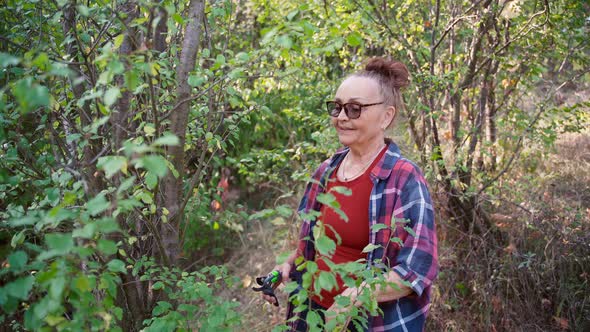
pixel 172 187
pixel 93 184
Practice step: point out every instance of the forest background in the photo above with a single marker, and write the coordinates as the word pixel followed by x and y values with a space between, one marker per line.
pixel 152 154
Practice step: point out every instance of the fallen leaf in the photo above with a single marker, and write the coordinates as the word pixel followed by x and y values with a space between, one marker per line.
pixel 496 303
pixel 511 249
pixel 246 281
pixel 562 323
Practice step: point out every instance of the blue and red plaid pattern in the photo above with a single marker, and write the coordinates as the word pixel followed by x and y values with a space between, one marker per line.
pixel 400 197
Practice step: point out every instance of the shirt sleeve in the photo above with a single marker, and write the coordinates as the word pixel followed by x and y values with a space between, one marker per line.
pixel 417 260
pixel 307 204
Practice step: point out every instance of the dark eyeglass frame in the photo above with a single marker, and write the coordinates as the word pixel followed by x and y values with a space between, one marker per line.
pixel 352 113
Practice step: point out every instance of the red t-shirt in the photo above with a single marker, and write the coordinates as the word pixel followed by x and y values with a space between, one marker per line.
pixel 354 233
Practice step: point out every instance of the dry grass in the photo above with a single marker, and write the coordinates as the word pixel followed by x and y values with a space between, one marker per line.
pixel 261 243
pixel 537 276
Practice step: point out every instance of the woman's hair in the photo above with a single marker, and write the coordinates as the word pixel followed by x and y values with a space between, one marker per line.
pixel 391 76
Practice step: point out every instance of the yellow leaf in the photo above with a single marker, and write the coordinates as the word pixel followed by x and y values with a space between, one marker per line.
pixel 246 281
pixel 149 129
pixel 118 41
pixel 54 320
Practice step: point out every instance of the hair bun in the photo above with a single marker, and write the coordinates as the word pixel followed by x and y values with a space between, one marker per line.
pixel 394 71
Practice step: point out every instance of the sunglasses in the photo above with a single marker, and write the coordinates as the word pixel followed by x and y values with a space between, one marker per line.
pixel 352 110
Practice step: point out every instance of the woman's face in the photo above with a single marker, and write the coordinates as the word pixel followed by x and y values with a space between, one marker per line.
pixel 368 129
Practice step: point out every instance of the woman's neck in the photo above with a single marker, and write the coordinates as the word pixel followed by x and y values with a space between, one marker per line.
pixel 360 154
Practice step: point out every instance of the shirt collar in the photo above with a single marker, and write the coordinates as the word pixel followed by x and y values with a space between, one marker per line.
pixel 383 168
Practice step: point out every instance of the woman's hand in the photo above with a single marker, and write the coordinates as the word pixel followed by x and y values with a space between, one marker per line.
pixel 335 309
pixel 284 269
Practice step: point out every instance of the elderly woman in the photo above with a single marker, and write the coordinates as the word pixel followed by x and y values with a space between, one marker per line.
pixel 385 187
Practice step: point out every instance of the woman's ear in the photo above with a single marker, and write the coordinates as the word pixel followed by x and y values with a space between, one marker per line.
pixel 390 113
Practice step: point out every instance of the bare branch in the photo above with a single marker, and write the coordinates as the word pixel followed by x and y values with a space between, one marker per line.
pixel 529 127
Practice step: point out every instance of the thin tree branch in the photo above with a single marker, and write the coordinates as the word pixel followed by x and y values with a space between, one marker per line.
pixel 529 127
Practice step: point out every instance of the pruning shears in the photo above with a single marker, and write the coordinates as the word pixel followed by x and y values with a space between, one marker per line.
pixel 267 282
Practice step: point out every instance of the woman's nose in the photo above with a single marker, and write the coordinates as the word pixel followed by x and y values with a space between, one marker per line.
pixel 342 115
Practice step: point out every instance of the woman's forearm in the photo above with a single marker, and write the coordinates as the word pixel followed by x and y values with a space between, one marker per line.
pixel 395 289
pixel 292 257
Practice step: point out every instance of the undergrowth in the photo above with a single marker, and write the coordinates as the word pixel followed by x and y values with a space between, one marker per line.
pixel 536 277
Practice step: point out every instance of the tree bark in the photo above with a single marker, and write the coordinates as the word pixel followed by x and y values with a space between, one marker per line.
pixel 93 184
pixel 161 29
pixel 172 187
pixel 467 80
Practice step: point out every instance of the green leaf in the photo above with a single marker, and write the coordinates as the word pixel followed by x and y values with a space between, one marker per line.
pixel 23 221
pixel 354 39
pixel 30 95
pixel 161 307
pixel 285 41
pixel 313 320
pixel 158 285
pixel 243 56
pixel 116 265
pixel 342 190
pixel 41 61
pixel 131 80
pixel 325 245
pixel 82 283
pixel 111 96
pixel 338 237
pixel 292 14
pixel 196 80
pixel 236 73
pixel 97 205
pixel 118 40
pixel 83 10
pixel 220 59
pixel 107 225
pixel 20 288
pixel 410 231
pixel 377 227
pixel 151 180
pixel 8 60
pixel 370 247
pixel 18 238
pixel 326 199
pixel 155 164
pixel 167 139
pixel 284 210
pixel 177 18
pixel 278 221
pixel 18 260
pixel 395 221
pixel 128 183
pixel 341 213
pixel 171 168
pixel 62 243
pixel 118 313
pixel 112 164
pixel 397 240
pixel 57 286
pixel 149 129
pixel 86 232
pixel 262 214
pixel 107 247
pixel 327 280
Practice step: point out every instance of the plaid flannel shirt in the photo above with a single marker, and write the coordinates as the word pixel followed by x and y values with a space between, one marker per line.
pixel 399 193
